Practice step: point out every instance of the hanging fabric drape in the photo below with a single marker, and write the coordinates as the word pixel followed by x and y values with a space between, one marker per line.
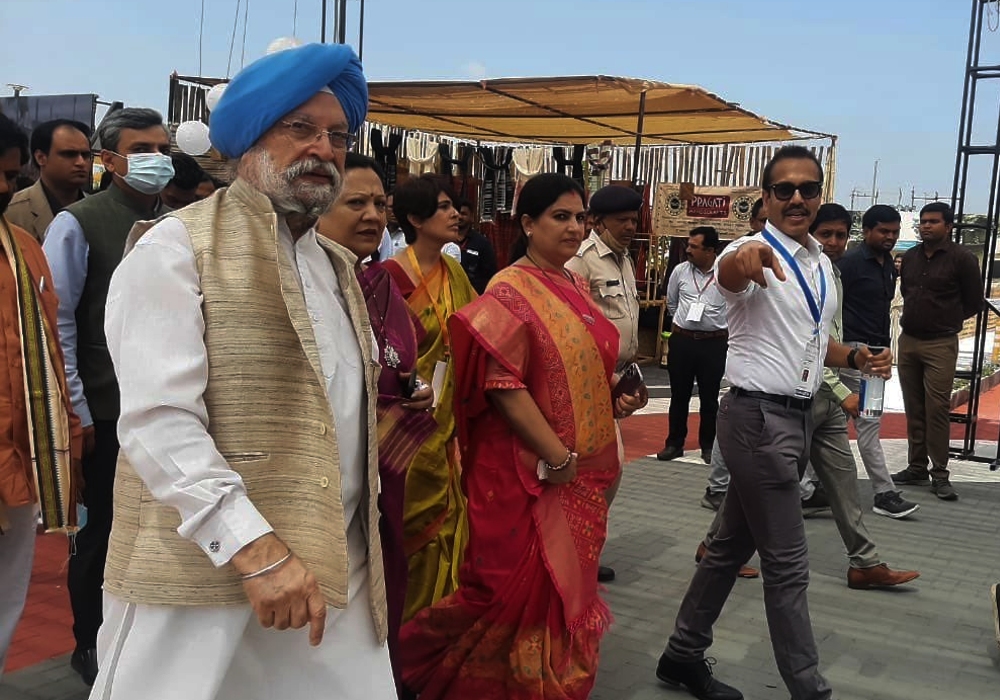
pixel 598 165
pixel 421 155
pixel 527 163
pixel 498 188
pixel 463 162
pixel 574 163
pixel 386 155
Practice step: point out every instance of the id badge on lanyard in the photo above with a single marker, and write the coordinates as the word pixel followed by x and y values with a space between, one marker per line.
pixel 810 365
pixel 696 311
pixel 697 308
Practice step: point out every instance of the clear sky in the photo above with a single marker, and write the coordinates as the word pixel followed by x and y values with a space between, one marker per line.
pixel 885 75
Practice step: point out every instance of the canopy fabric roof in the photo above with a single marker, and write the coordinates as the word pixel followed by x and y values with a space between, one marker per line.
pixel 572 110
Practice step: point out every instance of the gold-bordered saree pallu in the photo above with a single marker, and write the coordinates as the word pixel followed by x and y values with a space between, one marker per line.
pixel 527 619
pixel 434 520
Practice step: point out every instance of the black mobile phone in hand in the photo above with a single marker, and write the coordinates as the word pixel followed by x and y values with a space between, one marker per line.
pixel 409 384
pixel 628 383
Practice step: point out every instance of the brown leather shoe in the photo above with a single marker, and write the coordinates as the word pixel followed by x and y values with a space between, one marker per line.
pixel 744 572
pixel 880 576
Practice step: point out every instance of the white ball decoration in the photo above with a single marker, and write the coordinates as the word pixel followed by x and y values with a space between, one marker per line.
pixel 285 42
pixel 213 96
pixel 192 138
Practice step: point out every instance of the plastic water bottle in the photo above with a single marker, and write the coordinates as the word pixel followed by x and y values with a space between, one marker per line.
pixel 665 352
pixel 872 392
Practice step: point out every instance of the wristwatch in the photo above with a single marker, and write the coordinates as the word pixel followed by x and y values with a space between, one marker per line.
pixel 851 361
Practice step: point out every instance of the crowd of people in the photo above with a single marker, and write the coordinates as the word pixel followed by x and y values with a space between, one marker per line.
pixel 303 402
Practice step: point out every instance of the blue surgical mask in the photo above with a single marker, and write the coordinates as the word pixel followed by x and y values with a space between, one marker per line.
pixel 148 173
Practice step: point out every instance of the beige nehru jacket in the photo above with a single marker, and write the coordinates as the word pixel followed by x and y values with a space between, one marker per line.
pixel 269 415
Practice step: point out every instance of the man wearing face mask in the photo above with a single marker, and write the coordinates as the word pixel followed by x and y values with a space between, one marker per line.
pixel 84 244
pixel 603 260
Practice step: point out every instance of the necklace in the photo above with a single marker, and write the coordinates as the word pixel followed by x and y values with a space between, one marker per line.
pixel 588 318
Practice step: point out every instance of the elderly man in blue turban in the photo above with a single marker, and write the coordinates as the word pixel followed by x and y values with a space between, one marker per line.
pixel 244 559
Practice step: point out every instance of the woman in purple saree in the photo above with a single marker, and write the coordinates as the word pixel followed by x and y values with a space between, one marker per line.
pixel 356 221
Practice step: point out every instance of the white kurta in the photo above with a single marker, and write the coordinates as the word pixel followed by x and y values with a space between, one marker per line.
pixel 221 652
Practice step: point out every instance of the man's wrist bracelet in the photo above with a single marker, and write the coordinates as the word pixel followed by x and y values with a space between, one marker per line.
pixel 851 358
pixel 269 568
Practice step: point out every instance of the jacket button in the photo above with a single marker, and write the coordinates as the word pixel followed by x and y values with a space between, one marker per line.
pixel 324 482
pixel 322 429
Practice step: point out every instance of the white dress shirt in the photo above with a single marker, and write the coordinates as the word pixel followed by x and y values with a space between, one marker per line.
pixel 155 330
pixel 770 328
pixel 688 285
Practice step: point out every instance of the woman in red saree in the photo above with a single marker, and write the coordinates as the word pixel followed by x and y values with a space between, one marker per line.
pixel 534 363
pixel 356 221
pixel 435 286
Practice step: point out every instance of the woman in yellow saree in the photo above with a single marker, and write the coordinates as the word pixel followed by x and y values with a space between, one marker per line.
pixel 434 286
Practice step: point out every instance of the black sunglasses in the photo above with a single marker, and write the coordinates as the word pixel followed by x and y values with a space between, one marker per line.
pixel 786 190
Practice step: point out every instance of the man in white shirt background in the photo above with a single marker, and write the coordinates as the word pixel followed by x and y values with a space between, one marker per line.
pixel 698 343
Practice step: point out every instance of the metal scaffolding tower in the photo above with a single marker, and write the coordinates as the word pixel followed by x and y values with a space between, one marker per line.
pixel 977 72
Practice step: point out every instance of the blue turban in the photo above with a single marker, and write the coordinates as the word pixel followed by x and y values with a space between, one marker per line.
pixel 272 86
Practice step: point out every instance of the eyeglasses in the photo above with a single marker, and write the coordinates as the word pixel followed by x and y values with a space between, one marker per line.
pixel 786 190
pixel 307 133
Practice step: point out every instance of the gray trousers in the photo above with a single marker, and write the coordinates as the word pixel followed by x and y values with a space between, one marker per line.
pixel 765 446
pixel 718 482
pixel 718 477
pixel 830 455
pixel 869 441
pixel 17 553
pixel 831 458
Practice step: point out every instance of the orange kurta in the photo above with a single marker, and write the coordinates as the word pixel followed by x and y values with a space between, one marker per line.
pixel 17 482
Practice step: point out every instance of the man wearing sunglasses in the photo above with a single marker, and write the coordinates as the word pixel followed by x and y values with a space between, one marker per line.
pixel 782 299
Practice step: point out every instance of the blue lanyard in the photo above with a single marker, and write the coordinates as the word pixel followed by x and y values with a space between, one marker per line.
pixel 816 311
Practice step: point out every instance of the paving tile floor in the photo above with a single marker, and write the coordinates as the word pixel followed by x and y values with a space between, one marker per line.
pixel 932 639
pixel 926 641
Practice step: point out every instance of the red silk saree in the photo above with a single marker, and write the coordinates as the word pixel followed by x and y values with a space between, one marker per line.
pixel 526 620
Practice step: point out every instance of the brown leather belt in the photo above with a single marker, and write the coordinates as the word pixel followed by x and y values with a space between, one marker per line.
pixel 699 335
